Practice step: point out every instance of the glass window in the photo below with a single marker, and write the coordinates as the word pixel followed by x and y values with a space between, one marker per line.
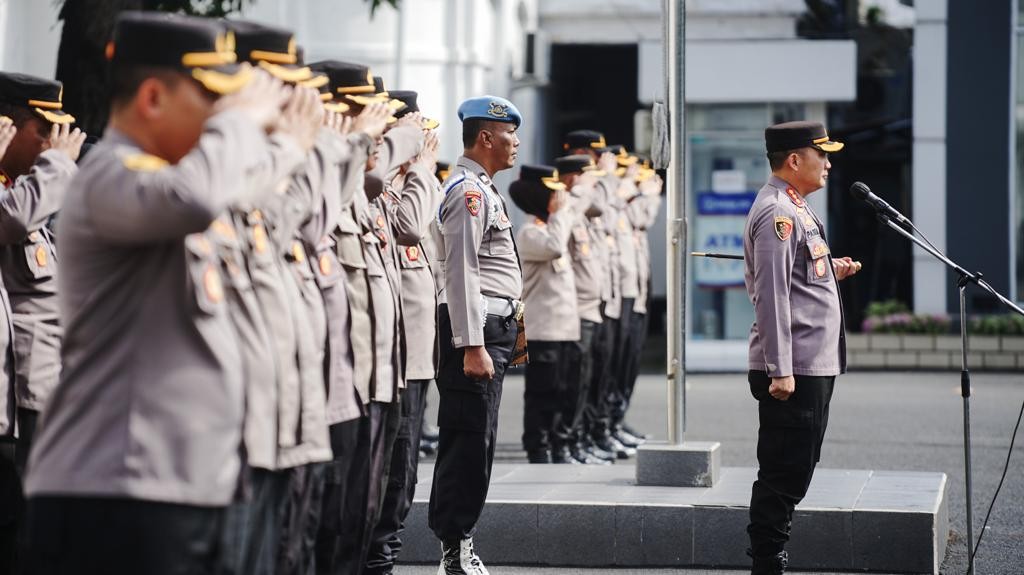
pixel 727 165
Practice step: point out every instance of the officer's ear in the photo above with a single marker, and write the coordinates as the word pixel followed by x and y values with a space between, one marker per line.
pixel 486 138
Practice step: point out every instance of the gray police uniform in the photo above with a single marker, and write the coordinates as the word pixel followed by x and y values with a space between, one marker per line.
pixel 28 262
pixel 411 201
pixel 799 331
pixel 151 398
pixel 483 280
pixel 552 320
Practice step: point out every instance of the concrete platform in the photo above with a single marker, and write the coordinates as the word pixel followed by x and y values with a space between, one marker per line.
pixel 581 515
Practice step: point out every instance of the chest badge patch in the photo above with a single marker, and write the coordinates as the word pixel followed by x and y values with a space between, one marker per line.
pixel 325 265
pixel 473 202
pixel 820 267
pixel 413 253
pixel 783 227
pixel 41 256
pixel 795 197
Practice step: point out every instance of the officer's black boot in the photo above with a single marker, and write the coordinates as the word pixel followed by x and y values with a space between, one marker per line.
pixel 562 454
pixel 541 455
pixel 459 558
pixel 769 564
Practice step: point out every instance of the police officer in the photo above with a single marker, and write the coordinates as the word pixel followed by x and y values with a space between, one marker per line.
pixel 477 327
pixel 598 441
pixel 552 319
pixel 580 173
pixel 411 198
pixel 35 167
pixel 797 341
pixel 138 454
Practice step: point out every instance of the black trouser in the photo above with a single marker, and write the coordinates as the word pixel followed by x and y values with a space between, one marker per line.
pixel 301 519
pixel 101 535
pixel 13 462
pixel 788 447
pixel 252 529
pixel 468 421
pixel 597 413
pixel 542 397
pixel 621 347
pixel 401 488
pixel 630 366
pixel 354 488
pixel 579 365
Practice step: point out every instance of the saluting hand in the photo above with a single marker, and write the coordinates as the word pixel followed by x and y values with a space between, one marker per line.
pixel 373 120
pixel 261 99
pixel 69 141
pixel 477 363
pixel 411 119
pixel 651 186
pixel 608 163
pixel 782 387
pixel 428 156
pixel 302 116
pixel 845 267
pixel 7 132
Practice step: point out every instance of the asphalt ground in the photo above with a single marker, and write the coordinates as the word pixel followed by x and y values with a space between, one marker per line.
pixel 878 420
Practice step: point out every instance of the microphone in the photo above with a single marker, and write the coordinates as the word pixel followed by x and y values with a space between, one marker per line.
pixel 862 192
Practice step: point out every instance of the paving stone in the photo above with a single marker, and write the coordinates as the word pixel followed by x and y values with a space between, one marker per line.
pixel 935 360
pixel 885 342
pixel 886 541
pixel 858 342
pixel 668 536
pixel 867 359
pixel 1000 360
pixel 1011 343
pixel 918 342
pixel 821 539
pixel 947 343
pixel 984 343
pixel 582 535
pixel 901 359
pixel 718 536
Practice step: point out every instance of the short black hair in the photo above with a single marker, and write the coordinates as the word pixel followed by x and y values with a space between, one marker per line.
pixel 19 114
pixel 125 80
pixel 778 159
pixel 471 129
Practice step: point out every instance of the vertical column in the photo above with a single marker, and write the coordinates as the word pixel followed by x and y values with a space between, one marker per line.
pixel 929 165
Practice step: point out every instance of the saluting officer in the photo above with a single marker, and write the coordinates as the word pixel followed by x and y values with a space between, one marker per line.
pixel 138 453
pixel 477 327
pixel 411 197
pixel 549 294
pixel 797 341
pixel 580 174
pixel 35 167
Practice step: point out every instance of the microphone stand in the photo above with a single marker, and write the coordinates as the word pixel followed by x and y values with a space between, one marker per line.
pixel 964 278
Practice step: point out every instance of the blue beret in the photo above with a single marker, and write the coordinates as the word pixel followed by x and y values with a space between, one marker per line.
pixel 490 108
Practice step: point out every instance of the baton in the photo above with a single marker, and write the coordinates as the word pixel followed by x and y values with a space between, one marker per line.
pixel 714 255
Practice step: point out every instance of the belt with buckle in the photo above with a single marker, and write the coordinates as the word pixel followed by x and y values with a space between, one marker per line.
pixel 503 307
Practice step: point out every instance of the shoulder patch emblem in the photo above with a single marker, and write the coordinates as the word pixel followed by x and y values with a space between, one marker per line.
pixel 380 221
pixel 142 162
pixel 41 256
pixel 298 253
pixel 325 264
pixel 413 253
pixel 795 197
pixel 473 202
pixel 783 227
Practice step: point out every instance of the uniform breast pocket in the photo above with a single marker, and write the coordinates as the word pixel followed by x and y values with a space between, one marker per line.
pixel 374 262
pixel 499 237
pixel 205 281
pixel 411 258
pixel 327 267
pixel 39 256
pixel 818 262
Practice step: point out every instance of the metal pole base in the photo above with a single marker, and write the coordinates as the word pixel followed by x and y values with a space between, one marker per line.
pixel 691 464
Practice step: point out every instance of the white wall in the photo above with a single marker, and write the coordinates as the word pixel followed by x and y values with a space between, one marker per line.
pixel 454 49
pixel 29 37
